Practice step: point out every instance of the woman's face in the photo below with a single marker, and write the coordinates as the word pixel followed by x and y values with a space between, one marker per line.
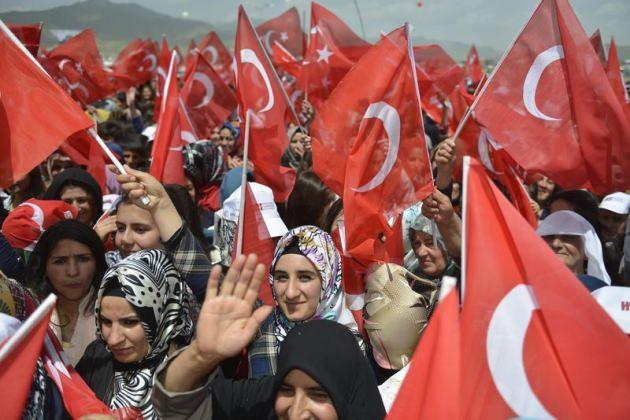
pixel 147 93
pixel 570 250
pixel 296 145
pixel 431 259
pixel 122 330
pixel 215 136
pixel 301 397
pixel 545 187
pixel 135 230
pixel 226 140
pixel 82 200
pixel 298 287
pixel 70 269
pixel 613 225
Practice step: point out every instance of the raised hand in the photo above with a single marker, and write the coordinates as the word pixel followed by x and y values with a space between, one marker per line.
pixel 445 161
pixel 227 321
pixel 105 226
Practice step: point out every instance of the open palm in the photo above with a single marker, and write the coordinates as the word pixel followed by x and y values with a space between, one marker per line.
pixel 227 321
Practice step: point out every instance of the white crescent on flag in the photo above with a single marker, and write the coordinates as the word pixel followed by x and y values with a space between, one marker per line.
pixel 504 346
pixel 213 53
pixel 249 56
pixel 542 61
pixel 208 86
pixel 391 122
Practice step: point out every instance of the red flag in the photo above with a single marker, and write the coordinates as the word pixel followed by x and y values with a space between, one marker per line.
pixel 285 29
pixel 84 151
pixel 81 67
pixel 29 34
pixel 78 398
pixel 27 138
pixel 208 99
pixel 259 92
pixel 598 45
pixel 615 74
pixel 164 60
pixel 431 385
pixel 551 108
pixel 215 53
pixel 473 72
pixel 284 60
pixel 256 240
pixel 369 147
pixel 192 46
pixel 167 161
pixel 528 353
pixel 332 51
pixel 439 66
pixel 18 359
pixel 137 61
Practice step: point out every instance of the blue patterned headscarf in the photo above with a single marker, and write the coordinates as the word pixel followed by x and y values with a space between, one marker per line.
pixel 318 247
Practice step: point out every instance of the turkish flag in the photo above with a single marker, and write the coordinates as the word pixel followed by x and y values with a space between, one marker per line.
pixel 332 51
pixel 215 53
pixel 187 133
pixel 188 59
pixel 167 160
pixel 615 74
pixel 29 34
pixel 259 92
pixel 164 60
pixel 83 150
pixel 78 399
pixel 369 144
pixel 81 67
pixel 598 45
pixel 19 356
pixel 473 71
pixel 284 60
pixel 439 66
pixel 256 240
pixel 208 99
pixel 528 352
pixel 431 386
pixel 27 138
pixel 138 61
pixel 285 29
pixel 550 106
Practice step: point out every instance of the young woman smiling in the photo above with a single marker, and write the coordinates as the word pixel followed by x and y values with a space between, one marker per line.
pixel 305 277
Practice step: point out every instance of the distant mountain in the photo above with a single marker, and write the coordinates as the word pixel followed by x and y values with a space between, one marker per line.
pixel 115 24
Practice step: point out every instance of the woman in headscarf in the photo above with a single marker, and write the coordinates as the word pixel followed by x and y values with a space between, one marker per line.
pixel 305 277
pixel 574 240
pixel 299 150
pixel 321 371
pixel 143 313
pixel 69 261
pixel 77 187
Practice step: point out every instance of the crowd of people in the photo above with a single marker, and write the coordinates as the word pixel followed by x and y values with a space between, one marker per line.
pixel 162 318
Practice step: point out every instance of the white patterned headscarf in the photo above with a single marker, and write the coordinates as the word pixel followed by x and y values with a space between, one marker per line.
pixel 153 287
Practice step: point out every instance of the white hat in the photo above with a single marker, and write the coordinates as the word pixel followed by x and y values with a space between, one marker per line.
pixel 616 302
pixel 268 209
pixel 617 203
pixel 567 222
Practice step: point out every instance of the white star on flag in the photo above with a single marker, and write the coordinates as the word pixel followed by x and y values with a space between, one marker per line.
pixel 284 37
pixel 324 54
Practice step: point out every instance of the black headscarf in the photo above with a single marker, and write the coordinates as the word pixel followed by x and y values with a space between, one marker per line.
pixel 328 352
pixel 78 177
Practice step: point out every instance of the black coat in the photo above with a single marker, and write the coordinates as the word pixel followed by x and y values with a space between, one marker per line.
pixel 96 367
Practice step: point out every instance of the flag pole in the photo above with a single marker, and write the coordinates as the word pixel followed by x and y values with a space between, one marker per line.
pixel 27 326
pixel 241 213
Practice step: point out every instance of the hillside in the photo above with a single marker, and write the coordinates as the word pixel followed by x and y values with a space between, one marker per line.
pixel 115 23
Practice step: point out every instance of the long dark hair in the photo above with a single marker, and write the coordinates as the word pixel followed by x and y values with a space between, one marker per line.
pixel 188 211
pixel 307 202
pixel 67 229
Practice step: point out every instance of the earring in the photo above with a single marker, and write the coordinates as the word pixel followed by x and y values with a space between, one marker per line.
pixel 107 349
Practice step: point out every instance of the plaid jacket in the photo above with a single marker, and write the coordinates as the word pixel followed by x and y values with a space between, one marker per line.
pixel 261 353
pixel 190 260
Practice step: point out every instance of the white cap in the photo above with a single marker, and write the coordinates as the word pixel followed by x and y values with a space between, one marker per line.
pixel 617 203
pixel 150 132
pixel 616 302
pixel 268 209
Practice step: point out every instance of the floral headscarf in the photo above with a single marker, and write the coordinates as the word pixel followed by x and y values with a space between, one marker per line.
pixel 318 247
pixel 152 286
